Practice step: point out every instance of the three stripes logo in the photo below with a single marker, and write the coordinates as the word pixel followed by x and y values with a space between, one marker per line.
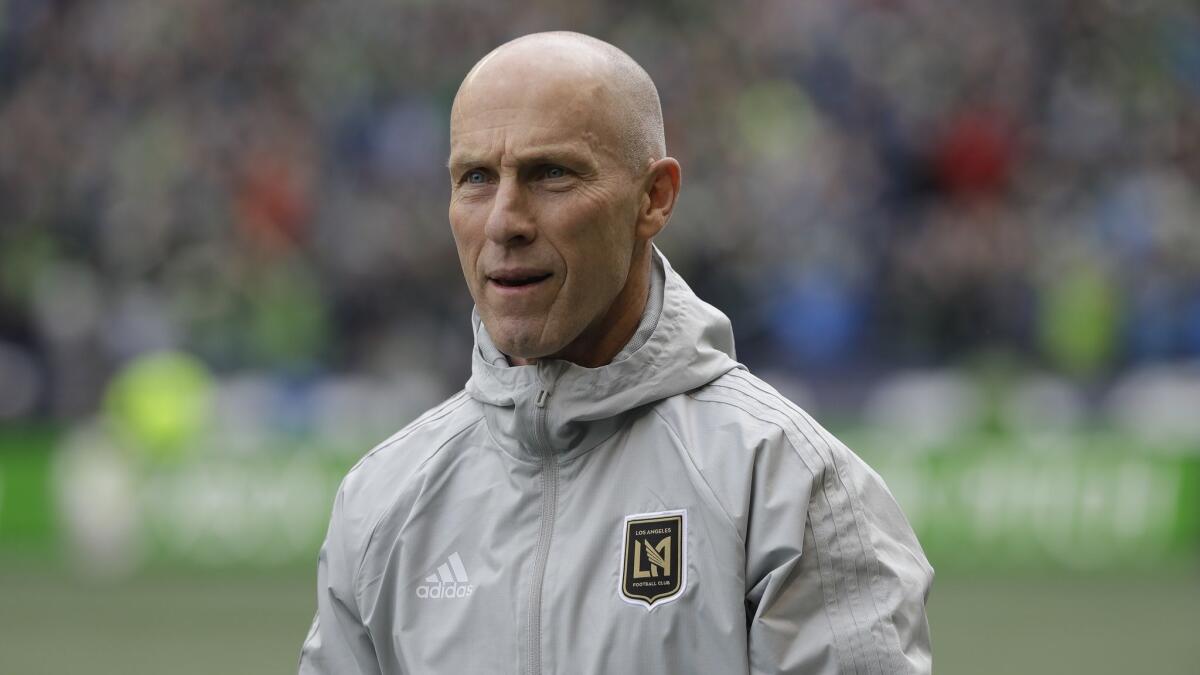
pixel 449 581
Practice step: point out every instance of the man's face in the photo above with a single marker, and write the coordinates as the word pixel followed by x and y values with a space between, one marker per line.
pixel 543 208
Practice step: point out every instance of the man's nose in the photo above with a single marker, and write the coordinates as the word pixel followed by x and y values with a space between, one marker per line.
pixel 510 222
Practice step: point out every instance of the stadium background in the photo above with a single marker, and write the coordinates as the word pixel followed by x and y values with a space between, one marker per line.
pixel 965 234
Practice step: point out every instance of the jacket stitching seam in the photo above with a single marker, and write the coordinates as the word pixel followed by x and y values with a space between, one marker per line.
pixel 833 613
pixel 391 505
pixel 354 579
pixel 851 573
pixel 419 423
pixel 885 626
pixel 691 460
pixel 845 534
pixel 512 455
pixel 882 627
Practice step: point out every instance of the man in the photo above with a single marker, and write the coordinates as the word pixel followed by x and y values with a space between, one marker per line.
pixel 612 492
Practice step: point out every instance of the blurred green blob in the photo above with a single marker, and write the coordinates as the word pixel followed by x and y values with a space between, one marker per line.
pixel 1079 320
pixel 159 403
pixel 25 250
pixel 153 158
pixel 775 120
pixel 288 323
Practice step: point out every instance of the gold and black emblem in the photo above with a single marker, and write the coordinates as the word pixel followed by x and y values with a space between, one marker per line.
pixel 654 568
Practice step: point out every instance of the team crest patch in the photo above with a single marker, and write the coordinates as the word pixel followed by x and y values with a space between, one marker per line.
pixel 654 558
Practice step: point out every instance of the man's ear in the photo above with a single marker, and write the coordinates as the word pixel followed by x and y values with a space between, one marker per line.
pixel 659 192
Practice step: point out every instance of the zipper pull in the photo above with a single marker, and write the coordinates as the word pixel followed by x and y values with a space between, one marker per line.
pixel 541 398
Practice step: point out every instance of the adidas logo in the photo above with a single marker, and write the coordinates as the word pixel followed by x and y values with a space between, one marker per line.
pixel 449 581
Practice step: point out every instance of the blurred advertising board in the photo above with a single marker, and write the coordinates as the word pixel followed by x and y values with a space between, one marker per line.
pixel 1091 502
pixel 1082 502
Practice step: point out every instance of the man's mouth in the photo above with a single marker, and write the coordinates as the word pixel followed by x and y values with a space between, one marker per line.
pixel 519 279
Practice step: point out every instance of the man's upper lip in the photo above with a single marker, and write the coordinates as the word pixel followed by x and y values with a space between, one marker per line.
pixel 517 273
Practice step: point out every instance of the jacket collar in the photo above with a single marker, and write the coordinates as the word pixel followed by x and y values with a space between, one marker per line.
pixel 688 344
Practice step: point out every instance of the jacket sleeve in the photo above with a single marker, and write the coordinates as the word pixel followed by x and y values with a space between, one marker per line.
pixel 338 642
pixel 836 579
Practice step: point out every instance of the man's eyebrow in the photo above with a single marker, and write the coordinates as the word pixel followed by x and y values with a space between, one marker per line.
pixel 553 153
pixel 453 162
pixel 569 154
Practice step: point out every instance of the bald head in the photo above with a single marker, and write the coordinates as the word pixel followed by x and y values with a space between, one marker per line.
pixel 559 182
pixel 576 69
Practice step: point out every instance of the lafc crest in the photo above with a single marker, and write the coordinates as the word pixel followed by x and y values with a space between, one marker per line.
pixel 654 558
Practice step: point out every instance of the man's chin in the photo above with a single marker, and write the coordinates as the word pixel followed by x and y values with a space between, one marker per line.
pixel 521 345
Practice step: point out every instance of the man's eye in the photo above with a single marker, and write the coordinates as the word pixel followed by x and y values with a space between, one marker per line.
pixel 554 172
pixel 474 177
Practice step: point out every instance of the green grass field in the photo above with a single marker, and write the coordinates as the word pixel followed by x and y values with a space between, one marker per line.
pixel 184 625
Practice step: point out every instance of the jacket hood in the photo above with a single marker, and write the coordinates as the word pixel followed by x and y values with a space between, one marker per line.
pixel 560 408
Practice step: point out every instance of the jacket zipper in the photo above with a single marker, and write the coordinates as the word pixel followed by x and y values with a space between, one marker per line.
pixel 533 656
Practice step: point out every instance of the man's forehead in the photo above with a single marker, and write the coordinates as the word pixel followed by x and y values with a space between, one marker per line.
pixel 523 118
pixel 506 92
pixel 523 143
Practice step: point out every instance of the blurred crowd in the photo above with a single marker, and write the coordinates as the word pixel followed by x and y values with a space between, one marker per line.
pixel 869 186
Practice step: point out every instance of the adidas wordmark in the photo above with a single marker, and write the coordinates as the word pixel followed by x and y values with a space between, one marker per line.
pixel 449 581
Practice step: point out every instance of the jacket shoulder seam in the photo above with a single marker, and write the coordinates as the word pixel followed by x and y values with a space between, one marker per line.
pixel 443 409
pixel 446 409
pixel 383 514
pixel 833 614
pixel 792 413
pixel 687 451
pixel 708 394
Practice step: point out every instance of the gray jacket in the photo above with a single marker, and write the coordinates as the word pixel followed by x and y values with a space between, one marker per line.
pixel 668 513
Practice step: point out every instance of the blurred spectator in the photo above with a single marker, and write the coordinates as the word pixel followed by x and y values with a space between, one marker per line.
pixel 872 184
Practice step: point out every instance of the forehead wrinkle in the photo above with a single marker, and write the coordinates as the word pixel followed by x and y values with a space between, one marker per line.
pixel 576 129
pixel 502 75
pixel 476 110
pixel 517 152
pixel 564 152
